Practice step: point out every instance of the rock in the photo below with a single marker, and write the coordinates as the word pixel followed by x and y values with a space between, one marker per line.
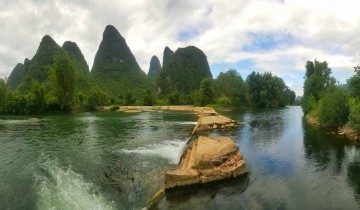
pixel 167 55
pixel 74 51
pixel 155 68
pixel 15 76
pixel 208 159
pixel 184 71
pixel 115 68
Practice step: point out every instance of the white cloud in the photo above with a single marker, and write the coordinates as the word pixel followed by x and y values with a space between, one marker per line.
pixel 322 29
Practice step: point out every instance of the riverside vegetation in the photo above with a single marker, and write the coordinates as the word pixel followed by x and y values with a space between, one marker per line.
pixel 330 104
pixel 58 79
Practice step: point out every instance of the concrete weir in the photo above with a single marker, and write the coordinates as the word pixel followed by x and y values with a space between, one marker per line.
pixel 207 159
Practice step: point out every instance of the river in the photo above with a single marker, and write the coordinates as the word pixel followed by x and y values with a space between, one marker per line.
pixel 109 160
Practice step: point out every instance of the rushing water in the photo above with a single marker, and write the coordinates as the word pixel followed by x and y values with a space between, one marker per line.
pixel 117 161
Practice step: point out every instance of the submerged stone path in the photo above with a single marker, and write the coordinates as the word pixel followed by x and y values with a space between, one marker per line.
pixel 207 159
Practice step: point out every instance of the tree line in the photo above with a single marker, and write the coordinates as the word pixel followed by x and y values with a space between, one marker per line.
pixel 65 90
pixel 331 103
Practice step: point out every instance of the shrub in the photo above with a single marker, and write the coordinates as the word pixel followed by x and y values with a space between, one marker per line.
pixel 354 117
pixel 334 108
pixel 114 108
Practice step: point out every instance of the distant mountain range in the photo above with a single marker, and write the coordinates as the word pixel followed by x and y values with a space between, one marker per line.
pixel 115 69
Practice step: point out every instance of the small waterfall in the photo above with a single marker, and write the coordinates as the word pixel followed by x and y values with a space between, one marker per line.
pixel 169 150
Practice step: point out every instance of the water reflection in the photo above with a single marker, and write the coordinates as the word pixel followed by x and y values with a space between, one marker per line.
pixel 266 127
pixel 354 177
pixel 332 154
pixel 204 195
pixel 324 151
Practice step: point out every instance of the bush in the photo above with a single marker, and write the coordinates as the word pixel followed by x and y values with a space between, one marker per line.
pixel 334 108
pixel 223 101
pixel 149 99
pixel 354 117
pixel 114 108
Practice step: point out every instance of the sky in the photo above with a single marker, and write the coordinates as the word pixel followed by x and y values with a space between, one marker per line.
pixel 247 35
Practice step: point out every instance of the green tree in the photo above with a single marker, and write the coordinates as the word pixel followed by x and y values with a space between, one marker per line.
pixel 35 98
pixel 94 97
pixel 129 99
pixel 231 86
pixel 149 99
pixel 354 83
pixel 318 80
pixel 266 90
pixel 334 108
pixel 62 76
pixel 290 96
pixel 206 91
pixel 3 94
pixel 354 117
pixel 174 98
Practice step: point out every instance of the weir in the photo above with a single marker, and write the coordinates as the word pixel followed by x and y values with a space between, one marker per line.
pixel 206 159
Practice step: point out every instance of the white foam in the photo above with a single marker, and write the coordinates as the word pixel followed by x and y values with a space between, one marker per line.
pixel 188 123
pixel 59 188
pixel 169 150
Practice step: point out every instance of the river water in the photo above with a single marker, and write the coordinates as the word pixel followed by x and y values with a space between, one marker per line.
pixel 117 161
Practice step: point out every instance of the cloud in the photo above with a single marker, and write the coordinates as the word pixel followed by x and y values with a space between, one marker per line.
pixel 272 35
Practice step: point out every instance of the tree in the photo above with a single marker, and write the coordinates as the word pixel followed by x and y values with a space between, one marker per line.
pixel 149 99
pixel 3 94
pixel 129 99
pixel 290 96
pixel 354 117
pixel 206 91
pixel 230 86
pixel 354 83
pixel 318 80
pixel 334 108
pixel 266 90
pixel 62 76
pixel 174 98
pixel 35 98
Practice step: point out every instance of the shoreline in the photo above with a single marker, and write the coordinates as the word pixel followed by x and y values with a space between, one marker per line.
pixel 345 130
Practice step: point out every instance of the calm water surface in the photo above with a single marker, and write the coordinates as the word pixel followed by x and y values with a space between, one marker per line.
pixel 117 161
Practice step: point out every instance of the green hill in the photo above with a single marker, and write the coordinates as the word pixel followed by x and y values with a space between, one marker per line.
pixel 155 68
pixel 184 71
pixel 74 51
pixel 38 67
pixel 167 55
pixel 115 68
pixel 15 76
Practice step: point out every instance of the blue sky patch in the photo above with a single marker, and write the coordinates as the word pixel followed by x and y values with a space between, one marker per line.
pixel 186 35
pixel 265 42
pixel 244 67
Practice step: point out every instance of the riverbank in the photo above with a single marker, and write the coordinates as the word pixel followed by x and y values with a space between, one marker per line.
pixel 162 108
pixel 345 130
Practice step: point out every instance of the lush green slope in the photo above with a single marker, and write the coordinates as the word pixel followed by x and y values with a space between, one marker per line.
pixel 184 71
pixel 15 76
pixel 115 68
pixel 167 55
pixel 155 67
pixel 38 67
pixel 74 51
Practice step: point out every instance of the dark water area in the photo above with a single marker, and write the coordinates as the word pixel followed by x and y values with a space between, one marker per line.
pixel 118 160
